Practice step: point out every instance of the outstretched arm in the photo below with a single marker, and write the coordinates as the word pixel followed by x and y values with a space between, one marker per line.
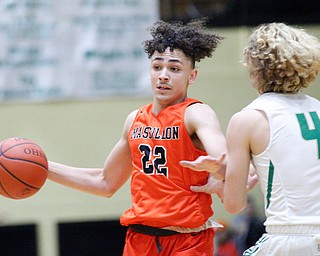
pixel 203 122
pixel 211 164
pixel 99 181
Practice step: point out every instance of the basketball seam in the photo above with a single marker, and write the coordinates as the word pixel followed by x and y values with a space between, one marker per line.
pixel 6 191
pixel 2 153
pixel 18 178
pixel 24 160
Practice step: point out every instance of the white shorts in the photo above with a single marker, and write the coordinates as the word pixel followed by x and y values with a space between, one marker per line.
pixel 287 241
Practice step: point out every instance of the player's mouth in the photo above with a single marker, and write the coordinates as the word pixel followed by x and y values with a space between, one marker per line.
pixel 163 87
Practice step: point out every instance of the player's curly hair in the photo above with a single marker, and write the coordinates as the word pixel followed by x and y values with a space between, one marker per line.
pixel 282 58
pixel 191 38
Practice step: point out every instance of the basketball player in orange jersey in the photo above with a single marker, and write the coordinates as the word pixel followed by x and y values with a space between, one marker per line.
pixel 166 217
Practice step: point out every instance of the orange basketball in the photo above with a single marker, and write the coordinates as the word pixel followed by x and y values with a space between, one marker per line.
pixel 23 168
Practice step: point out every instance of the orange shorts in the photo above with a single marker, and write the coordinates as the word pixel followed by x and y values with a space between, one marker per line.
pixel 190 244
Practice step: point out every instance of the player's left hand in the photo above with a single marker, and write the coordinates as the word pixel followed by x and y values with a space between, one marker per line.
pixel 213 186
pixel 205 163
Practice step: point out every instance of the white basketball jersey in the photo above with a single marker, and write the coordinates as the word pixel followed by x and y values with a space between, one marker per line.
pixel 289 168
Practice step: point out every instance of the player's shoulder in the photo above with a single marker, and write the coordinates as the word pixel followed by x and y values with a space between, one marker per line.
pixel 129 120
pixel 132 114
pixel 199 107
pixel 247 117
pixel 198 115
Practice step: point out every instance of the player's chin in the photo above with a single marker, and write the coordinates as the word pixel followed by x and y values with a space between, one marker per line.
pixel 163 98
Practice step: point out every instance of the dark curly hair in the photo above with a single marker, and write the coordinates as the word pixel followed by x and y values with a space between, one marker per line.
pixel 191 38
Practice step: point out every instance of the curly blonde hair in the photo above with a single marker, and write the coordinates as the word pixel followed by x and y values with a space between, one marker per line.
pixel 282 58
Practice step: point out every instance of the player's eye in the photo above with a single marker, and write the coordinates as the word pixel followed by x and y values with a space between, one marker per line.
pixel 156 67
pixel 175 69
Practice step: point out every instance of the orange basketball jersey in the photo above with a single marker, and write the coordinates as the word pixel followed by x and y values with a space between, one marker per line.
pixel 160 187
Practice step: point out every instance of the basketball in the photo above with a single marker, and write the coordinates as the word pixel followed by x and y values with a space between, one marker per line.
pixel 23 168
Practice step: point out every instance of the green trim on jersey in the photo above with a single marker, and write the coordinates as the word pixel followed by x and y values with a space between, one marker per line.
pixel 270 180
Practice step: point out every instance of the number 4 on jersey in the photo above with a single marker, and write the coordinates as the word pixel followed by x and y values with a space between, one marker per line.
pixel 307 133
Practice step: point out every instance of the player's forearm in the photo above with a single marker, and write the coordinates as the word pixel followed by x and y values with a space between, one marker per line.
pixel 235 194
pixel 88 180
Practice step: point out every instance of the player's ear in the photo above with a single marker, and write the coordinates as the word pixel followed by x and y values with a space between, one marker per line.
pixel 193 76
